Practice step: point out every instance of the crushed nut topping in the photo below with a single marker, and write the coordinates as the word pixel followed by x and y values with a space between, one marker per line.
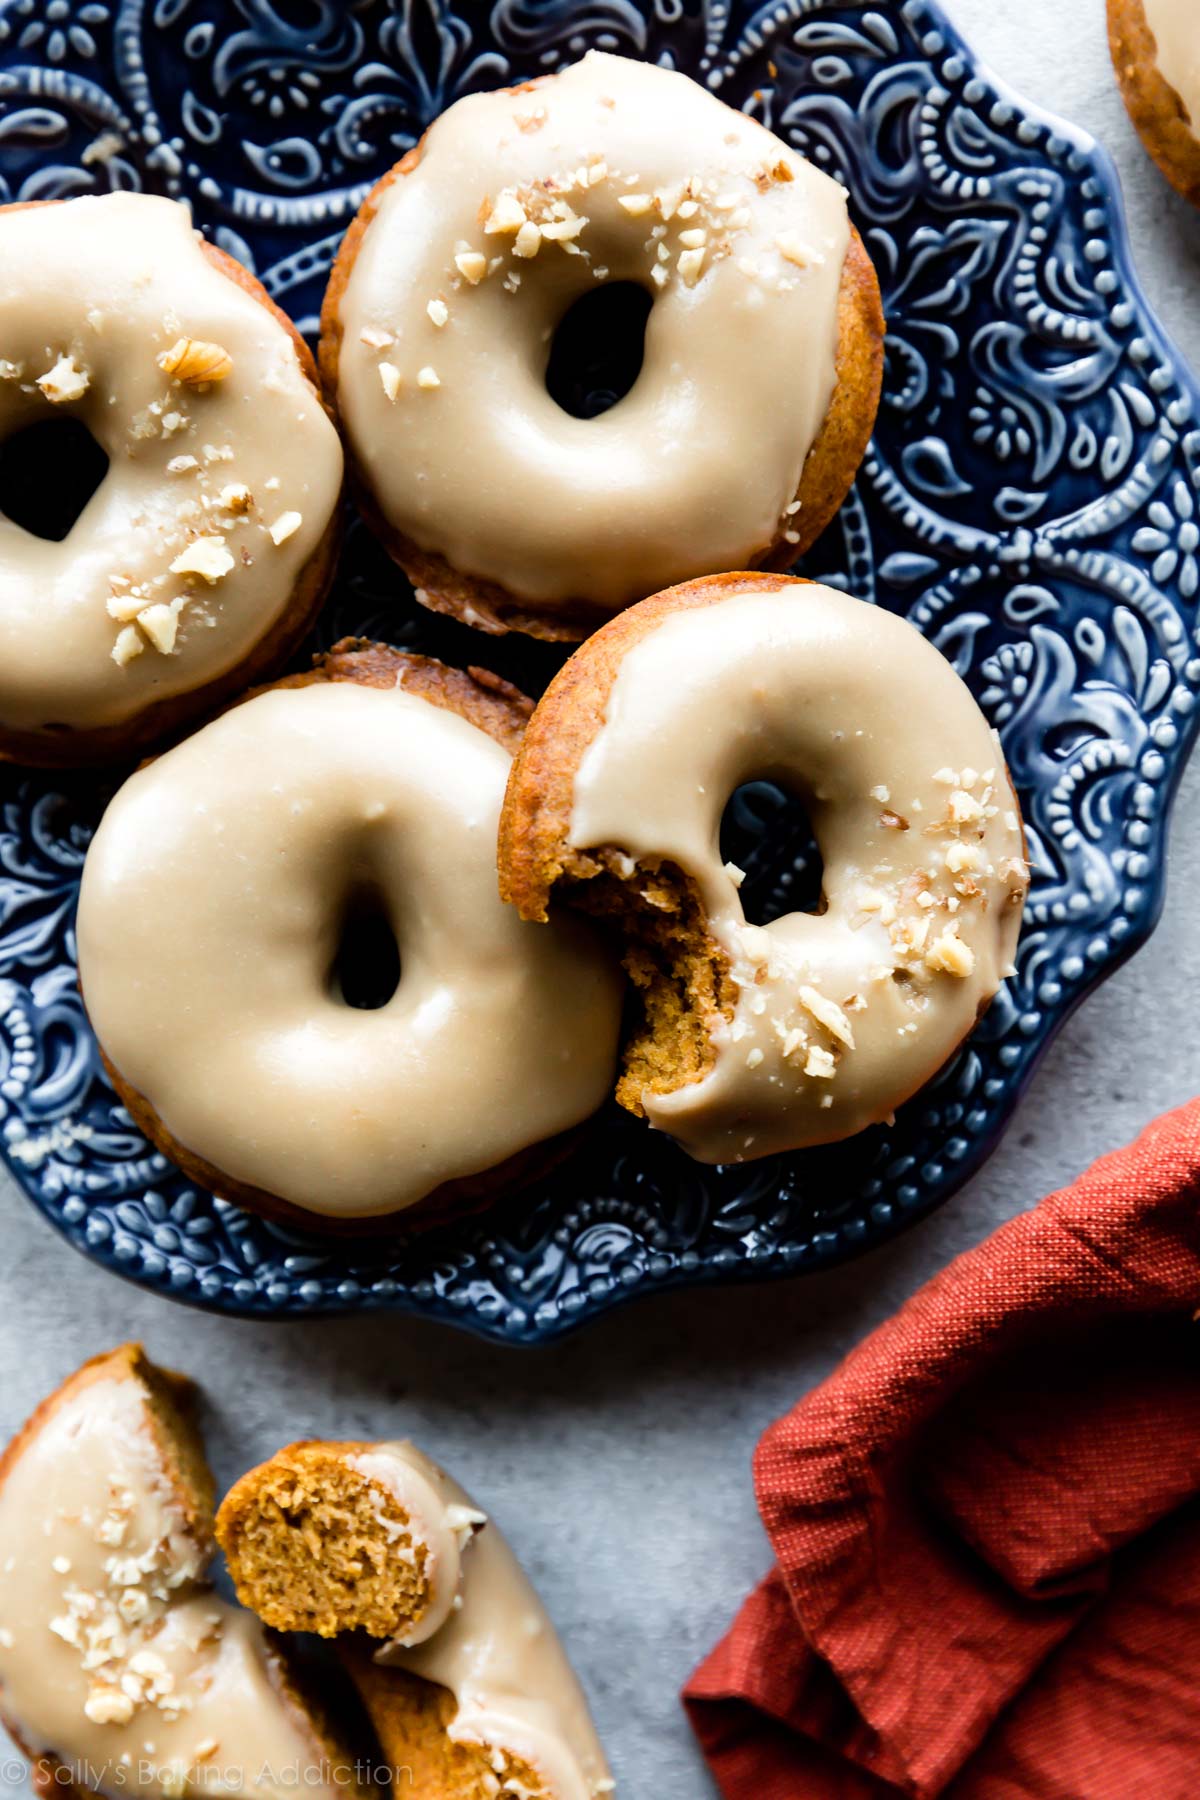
pixel 206 557
pixel 285 526
pixel 160 623
pixel 194 362
pixel 691 263
pixel 827 1013
pixel 528 240
pixel 428 377
pixel 438 312
pixel 471 265
pixel 130 643
pixel 389 376
pixel 65 382
pixel 950 955
pixel 506 217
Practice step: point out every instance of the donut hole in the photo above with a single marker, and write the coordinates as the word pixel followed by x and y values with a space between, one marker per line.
pixel 766 832
pixel 597 349
pixel 48 473
pixel 366 964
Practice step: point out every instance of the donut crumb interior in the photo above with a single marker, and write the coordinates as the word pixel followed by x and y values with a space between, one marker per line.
pixel 680 975
pixel 314 1545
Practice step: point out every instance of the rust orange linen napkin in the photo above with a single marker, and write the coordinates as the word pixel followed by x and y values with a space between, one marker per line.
pixel 986 1525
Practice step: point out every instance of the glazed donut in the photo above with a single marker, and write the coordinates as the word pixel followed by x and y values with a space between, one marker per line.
pixel 201 558
pixel 467 1677
pixel 1155 48
pixel 121 1671
pixel 216 894
pixel 767 1038
pixel 761 372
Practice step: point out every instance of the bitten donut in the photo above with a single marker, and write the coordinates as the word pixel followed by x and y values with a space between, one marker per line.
pixel 1155 48
pixel 467 1679
pixel 766 1038
pixel 762 358
pixel 121 1671
pixel 218 893
pixel 200 559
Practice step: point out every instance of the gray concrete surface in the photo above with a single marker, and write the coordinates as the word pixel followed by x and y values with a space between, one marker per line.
pixel 619 1461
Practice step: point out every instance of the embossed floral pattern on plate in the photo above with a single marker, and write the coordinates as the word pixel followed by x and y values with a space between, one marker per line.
pixel 1029 502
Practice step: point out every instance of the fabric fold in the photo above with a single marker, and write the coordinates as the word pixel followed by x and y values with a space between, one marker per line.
pixel 964 1517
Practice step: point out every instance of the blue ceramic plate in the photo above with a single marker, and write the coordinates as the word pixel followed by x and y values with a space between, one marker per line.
pixel 1030 502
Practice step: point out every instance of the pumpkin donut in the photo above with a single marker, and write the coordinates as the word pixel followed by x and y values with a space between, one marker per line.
pixel 754 1038
pixel 465 1680
pixel 1155 48
pixel 762 360
pixel 201 558
pixel 220 888
pixel 121 1671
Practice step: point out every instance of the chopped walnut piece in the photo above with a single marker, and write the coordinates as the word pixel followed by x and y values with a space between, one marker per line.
pixel 66 381
pixel 636 205
pixel 962 856
pixel 206 557
pixel 471 265
pixel 820 1063
pixel 667 200
pixel 105 1706
pixel 160 623
pixel 964 808
pixel 691 263
pixel 562 231
pixel 236 497
pixel 194 361
pixel 126 607
pixel 948 954
pixel 389 376
pixel 530 121
pixel 693 240
pixel 181 465
pixel 528 240
pixel 285 526
pixel 794 250
pixel 827 1013
pixel 374 338
pixel 506 217
pixel 130 643
pixel 428 377
pixel 438 312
